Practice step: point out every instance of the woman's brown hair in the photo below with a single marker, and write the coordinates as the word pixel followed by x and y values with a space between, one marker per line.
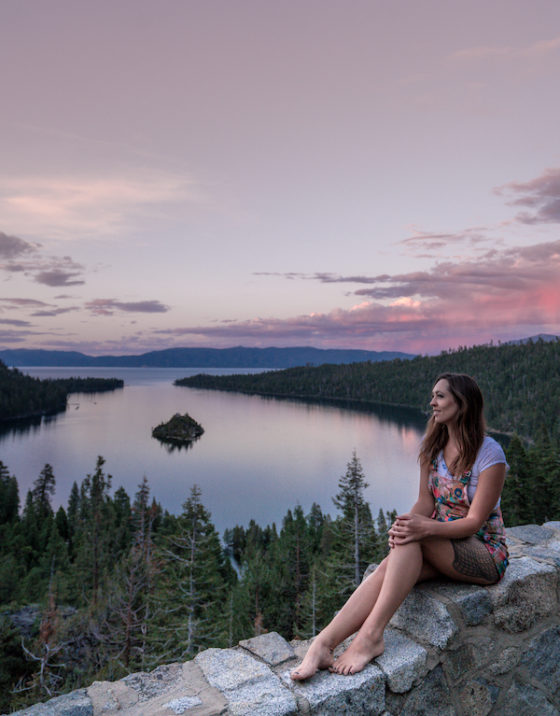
pixel 470 424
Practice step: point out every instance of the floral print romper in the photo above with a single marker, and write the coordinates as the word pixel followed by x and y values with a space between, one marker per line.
pixel 452 503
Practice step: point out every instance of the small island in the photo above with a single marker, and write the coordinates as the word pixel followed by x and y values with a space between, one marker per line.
pixel 180 430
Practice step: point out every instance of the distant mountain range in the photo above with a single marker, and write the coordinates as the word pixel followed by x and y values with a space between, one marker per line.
pixel 238 357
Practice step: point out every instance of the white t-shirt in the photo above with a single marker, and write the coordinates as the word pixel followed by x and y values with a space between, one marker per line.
pixel 490 453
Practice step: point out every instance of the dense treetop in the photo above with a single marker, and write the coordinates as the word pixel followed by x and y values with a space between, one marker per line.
pixel 520 383
pixel 22 396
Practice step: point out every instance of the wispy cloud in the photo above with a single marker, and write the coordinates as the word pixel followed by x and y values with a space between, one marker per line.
pixel 427 242
pixel 17 336
pixel 14 322
pixel 505 291
pixel 12 246
pixel 71 207
pixel 541 196
pixel 35 264
pixel 54 312
pixel 59 277
pixel 321 276
pixel 23 302
pixel 537 49
pixel 107 306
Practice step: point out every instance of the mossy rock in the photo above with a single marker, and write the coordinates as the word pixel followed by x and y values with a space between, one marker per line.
pixel 180 429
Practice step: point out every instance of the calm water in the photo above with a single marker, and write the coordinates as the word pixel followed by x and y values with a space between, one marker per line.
pixel 257 458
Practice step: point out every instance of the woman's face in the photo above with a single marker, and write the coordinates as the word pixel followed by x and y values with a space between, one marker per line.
pixel 443 404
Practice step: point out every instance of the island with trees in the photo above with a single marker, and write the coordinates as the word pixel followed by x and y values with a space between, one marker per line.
pixel 179 430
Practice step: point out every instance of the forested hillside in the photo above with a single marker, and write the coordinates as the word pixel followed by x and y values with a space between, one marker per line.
pixel 118 585
pixel 22 396
pixel 115 585
pixel 521 383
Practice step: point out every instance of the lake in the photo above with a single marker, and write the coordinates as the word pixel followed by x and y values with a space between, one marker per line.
pixel 257 458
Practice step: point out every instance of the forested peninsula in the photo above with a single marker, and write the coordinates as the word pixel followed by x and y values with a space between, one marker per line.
pixel 520 383
pixel 22 396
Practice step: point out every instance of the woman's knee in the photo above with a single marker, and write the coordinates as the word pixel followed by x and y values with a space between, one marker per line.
pixel 379 571
pixel 435 551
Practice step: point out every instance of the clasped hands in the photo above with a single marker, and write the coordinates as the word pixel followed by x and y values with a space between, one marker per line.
pixel 409 527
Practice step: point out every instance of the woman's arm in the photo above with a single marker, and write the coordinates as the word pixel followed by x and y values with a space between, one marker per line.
pixel 423 507
pixel 415 526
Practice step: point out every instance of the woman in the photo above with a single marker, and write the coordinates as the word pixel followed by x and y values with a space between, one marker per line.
pixel 454 529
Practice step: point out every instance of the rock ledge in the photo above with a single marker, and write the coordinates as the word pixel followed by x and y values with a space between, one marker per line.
pixel 451 649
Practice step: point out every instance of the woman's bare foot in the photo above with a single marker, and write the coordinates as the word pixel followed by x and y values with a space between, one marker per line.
pixel 319 656
pixel 358 655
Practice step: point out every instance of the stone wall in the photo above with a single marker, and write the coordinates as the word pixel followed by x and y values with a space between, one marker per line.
pixel 450 649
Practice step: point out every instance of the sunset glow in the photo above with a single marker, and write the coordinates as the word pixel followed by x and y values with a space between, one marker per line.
pixel 365 175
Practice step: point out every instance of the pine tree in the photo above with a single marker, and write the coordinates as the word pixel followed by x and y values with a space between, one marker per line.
pixel 61 521
pixel 348 545
pixel 9 496
pixel 193 587
pixel 384 522
pixel 354 528
pixel 255 592
pixel 545 464
pixel 315 521
pixel 123 522
pixel 43 490
pixel 313 612
pixel 290 558
pixel 130 607
pixel 94 532
pixel 73 515
pixel 516 500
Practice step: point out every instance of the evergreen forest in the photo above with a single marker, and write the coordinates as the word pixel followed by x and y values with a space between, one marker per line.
pixel 22 396
pixel 111 584
pixel 520 383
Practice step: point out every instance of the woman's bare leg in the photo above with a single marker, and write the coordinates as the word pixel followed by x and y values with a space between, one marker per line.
pixel 463 560
pixel 403 571
pixel 348 620
pixel 345 622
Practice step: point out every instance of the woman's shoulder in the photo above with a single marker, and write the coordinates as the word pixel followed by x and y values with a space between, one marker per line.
pixel 490 443
pixel 490 453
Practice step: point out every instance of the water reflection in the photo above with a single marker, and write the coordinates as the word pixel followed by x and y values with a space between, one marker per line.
pixel 259 456
pixel 175 445
pixel 394 414
pixel 22 427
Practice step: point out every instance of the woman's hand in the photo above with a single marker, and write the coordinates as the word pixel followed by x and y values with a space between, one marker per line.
pixel 409 527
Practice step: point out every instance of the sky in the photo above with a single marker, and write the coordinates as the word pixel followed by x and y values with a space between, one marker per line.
pixel 342 174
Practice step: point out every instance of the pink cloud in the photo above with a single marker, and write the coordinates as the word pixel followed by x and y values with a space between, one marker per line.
pixel 541 195
pixel 513 291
